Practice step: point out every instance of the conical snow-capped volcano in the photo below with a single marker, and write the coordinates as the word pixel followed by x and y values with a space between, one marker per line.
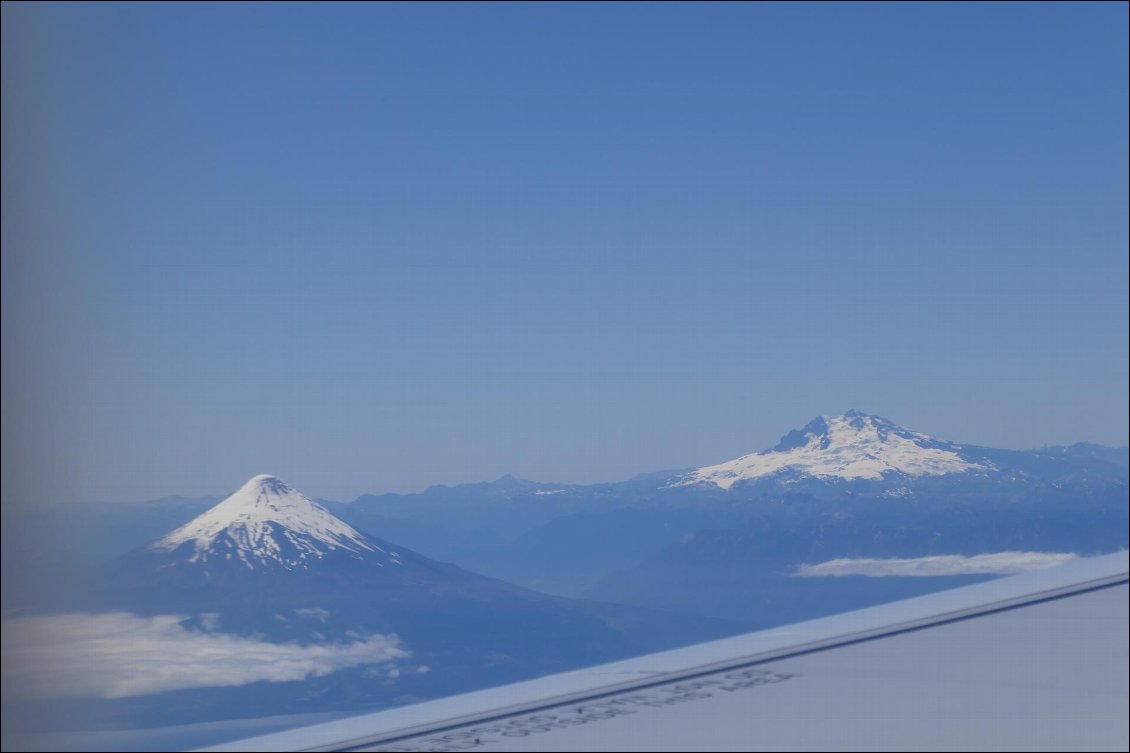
pixel 854 445
pixel 268 523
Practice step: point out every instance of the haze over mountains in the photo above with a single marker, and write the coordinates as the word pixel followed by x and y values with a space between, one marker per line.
pixel 848 485
pixel 268 553
pixel 528 531
pixel 847 511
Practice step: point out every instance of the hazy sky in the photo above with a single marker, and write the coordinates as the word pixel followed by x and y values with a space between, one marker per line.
pixel 375 248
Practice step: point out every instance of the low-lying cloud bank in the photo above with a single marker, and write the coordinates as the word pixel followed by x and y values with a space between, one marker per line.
pixel 117 655
pixel 1000 563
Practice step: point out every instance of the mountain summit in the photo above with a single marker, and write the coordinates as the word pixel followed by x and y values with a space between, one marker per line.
pixel 269 524
pixel 854 445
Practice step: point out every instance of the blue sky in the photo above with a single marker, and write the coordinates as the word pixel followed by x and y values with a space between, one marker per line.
pixel 375 248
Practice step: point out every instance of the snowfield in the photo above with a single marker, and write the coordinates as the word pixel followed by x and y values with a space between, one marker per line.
pixel 267 521
pixel 851 446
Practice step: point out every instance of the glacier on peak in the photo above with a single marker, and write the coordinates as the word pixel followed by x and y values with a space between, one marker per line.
pixel 850 446
pixel 268 521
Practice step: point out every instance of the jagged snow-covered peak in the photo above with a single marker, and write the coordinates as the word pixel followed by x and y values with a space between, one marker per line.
pixel 852 446
pixel 267 522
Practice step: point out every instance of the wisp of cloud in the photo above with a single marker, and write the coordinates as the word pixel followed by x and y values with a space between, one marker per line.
pixel 998 563
pixel 116 655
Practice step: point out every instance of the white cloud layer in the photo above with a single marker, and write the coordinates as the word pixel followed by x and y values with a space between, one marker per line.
pixel 999 563
pixel 117 655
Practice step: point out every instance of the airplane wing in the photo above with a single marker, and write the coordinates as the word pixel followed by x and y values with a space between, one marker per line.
pixel 1033 661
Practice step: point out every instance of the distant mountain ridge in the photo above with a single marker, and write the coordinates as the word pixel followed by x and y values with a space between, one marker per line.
pixel 268 563
pixel 523 531
pixel 910 487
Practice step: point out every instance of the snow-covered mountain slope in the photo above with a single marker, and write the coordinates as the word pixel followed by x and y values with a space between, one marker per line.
pixel 271 564
pixel 852 446
pixel 268 523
